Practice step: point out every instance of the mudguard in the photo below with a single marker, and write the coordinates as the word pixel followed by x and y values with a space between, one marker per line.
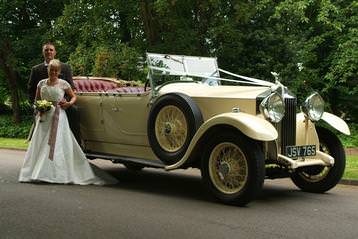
pixel 306 130
pixel 336 123
pixel 250 125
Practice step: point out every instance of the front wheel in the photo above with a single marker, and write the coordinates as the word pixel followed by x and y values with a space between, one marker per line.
pixel 233 168
pixel 319 179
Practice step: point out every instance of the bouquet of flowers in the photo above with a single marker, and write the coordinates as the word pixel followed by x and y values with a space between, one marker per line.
pixel 43 105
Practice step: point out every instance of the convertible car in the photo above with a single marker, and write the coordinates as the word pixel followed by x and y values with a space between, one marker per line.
pixel 237 130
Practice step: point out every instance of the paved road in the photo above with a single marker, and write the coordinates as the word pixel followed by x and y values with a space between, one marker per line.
pixel 157 204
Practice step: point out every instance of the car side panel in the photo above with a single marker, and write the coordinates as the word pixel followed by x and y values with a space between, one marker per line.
pixel 115 123
pixel 125 118
pixel 91 117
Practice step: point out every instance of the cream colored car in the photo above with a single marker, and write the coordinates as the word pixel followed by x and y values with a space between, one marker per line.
pixel 237 130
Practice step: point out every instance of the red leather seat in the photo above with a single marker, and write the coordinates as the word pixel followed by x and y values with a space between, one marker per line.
pixel 89 85
pixel 128 89
pixel 92 84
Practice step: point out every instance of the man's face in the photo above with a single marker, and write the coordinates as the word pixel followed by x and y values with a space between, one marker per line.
pixel 49 52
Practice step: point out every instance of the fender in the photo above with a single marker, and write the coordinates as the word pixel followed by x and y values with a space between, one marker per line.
pixel 336 123
pixel 250 125
pixel 306 130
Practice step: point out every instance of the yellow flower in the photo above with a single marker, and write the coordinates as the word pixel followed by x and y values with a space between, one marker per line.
pixel 43 105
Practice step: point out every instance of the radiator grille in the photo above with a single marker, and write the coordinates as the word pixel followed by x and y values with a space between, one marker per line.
pixel 287 127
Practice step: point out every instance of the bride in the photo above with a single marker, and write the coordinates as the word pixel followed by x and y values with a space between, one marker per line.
pixel 54 155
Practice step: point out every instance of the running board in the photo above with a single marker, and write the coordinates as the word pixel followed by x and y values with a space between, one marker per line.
pixel 123 159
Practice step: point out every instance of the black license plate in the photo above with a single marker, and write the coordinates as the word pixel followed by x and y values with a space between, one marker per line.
pixel 300 151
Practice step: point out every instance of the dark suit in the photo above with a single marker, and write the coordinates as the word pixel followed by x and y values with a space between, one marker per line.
pixel 40 72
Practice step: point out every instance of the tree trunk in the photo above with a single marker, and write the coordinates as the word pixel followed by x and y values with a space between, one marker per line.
pixel 150 28
pixel 11 79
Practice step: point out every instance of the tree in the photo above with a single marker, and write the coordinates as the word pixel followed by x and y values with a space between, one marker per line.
pixel 23 24
pixel 325 42
pixel 101 38
pixel 311 44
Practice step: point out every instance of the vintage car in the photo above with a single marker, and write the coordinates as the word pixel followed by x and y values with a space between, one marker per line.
pixel 237 130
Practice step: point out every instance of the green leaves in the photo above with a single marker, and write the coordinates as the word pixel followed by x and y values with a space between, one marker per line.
pixel 110 38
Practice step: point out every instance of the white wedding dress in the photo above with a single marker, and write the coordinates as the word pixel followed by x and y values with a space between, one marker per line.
pixel 69 164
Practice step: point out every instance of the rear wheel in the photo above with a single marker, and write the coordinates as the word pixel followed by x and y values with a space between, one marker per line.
pixel 319 179
pixel 233 168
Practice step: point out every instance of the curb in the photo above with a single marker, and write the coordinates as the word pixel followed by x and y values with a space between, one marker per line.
pixel 351 151
pixel 15 149
pixel 349 182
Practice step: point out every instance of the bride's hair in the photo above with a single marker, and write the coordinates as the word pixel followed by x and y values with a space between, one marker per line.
pixel 56 64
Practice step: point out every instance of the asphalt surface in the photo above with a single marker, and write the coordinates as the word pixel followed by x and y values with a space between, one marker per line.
pixel 157 204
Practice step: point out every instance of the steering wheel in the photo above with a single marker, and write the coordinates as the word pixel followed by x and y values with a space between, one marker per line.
pixel 147 83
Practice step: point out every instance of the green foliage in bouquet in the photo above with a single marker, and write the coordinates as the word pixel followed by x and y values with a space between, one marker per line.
pixel 43 105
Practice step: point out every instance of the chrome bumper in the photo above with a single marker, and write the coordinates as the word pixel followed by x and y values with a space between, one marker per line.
pixel 321 158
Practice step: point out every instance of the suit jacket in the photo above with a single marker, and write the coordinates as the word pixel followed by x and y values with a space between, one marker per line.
pixel 40 72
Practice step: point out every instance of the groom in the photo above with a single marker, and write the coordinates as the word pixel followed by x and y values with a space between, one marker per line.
pixel 40 72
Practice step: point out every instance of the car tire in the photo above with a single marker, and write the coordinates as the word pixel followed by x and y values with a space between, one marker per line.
pixel 173 121
pixel 233 168
pixel 319 179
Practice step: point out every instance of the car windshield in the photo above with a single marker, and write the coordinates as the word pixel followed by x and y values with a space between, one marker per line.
pixel 183 65
pixel 168 68
pixel 165 68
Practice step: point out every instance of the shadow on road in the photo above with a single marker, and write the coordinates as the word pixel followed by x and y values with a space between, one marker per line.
pixel 190 186
pixel 171 184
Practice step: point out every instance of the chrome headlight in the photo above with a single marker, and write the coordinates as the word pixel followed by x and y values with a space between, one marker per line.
pixel 273 108
pixel 313 107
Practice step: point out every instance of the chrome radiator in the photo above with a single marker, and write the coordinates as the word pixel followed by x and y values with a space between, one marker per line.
pixel 287 127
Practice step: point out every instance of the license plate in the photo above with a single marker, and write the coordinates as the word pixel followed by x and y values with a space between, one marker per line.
pixel 300 151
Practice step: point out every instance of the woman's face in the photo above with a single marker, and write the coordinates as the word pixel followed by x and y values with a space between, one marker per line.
pixel 53 72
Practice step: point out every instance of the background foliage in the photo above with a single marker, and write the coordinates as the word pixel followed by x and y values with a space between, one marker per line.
pixel 313 45
pixel 9 130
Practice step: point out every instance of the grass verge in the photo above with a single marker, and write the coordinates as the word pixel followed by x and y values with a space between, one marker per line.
pixel 351 171
pixel 11 143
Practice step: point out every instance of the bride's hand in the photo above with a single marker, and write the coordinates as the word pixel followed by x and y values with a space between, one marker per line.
pixel 64 104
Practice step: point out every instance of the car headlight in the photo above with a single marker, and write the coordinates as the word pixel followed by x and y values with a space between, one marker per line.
pixel 273 108
pixel 313 107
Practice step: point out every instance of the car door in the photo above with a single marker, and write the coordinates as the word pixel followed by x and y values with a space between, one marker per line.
pixel 125 118
pixel 91 117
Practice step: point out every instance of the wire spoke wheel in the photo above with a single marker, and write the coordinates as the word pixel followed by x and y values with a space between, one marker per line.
pixel 228 168
pixel 233 167
pixel 173 120
pixel 316 173
pixel 171 128
pixel 319 179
